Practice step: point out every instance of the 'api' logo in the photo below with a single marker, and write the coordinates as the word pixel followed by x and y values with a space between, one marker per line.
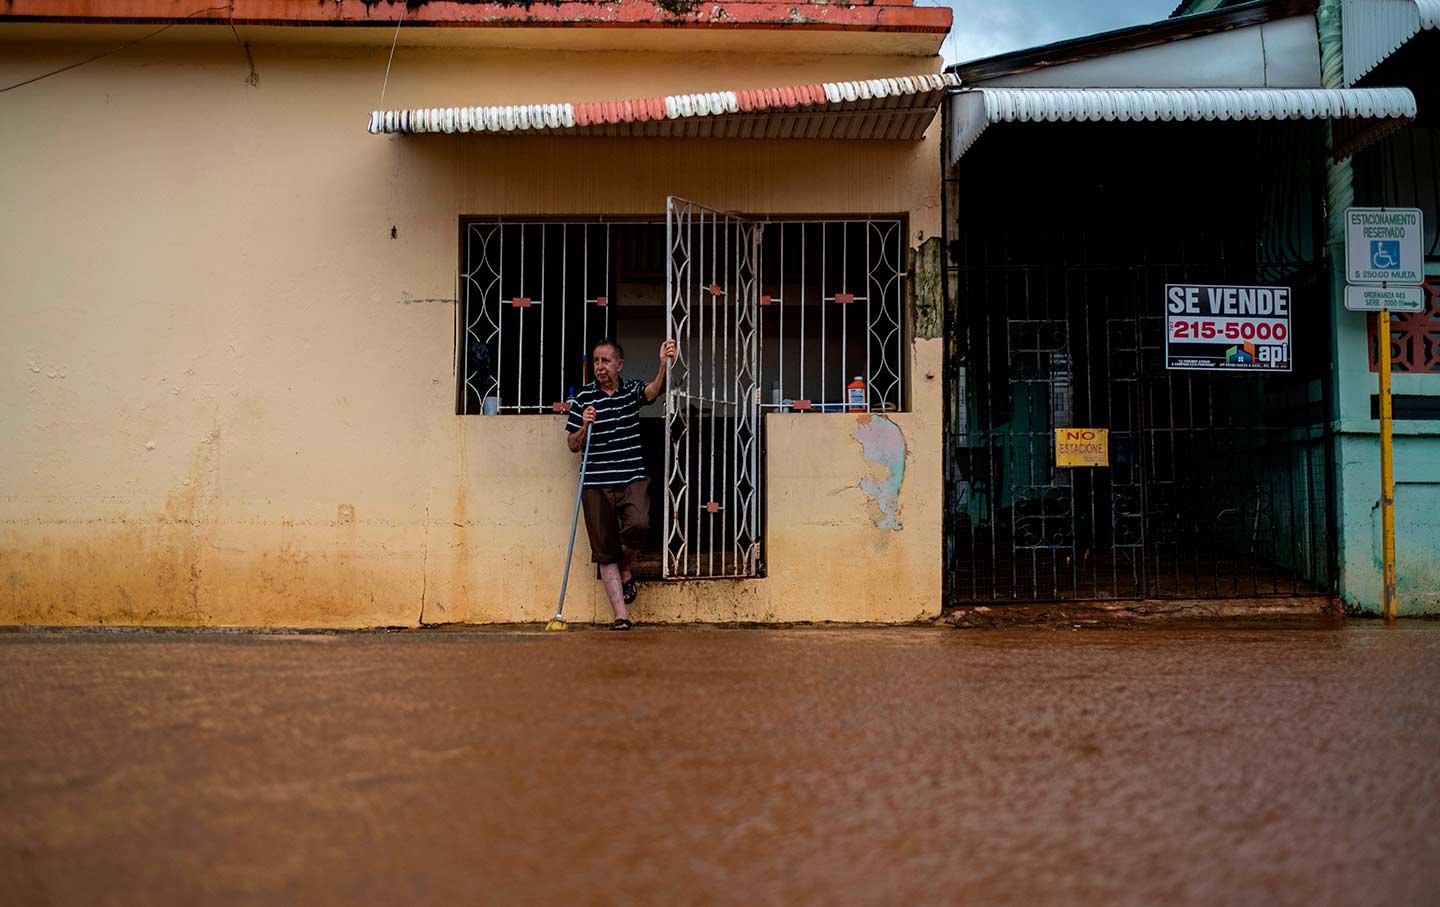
pixel 1385 254
pixel 1244 354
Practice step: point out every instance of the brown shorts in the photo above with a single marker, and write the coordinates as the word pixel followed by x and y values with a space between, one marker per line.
pixel 616 518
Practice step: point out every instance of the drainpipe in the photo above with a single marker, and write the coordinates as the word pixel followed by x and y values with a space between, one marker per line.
pixel 1339 179
pixel 1339 195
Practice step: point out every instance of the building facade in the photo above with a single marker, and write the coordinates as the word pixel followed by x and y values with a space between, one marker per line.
pixel 292 291
pixel 1091 179
pixel 1382 44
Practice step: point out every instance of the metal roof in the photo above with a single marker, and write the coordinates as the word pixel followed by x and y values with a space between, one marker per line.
pixel 1200 7
pixel 1280 53
pixel 974 110
pixel 1374 29
pixel 898 108
pixel 854 15
pixel 1133 37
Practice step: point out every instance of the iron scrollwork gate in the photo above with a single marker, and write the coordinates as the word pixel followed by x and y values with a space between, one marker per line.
pixel 1217 485
pixel 712 401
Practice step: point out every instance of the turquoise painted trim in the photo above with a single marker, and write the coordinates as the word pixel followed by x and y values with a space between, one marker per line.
pixel 1417 523
pixel 1349 341
pixel 1354 383
pixel 1358 384
pixel 1410 428
pixel 1432 269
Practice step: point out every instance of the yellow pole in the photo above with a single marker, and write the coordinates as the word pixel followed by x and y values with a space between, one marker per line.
pixel 1387 463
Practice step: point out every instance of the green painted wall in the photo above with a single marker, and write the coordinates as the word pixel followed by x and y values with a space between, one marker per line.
pixel 1417 479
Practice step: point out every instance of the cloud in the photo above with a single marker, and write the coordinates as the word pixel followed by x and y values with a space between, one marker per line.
pixel 984 28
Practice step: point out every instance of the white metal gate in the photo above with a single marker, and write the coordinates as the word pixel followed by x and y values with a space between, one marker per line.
pixel 712 401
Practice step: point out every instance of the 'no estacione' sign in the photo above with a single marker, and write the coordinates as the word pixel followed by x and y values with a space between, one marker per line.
pixel 1082 447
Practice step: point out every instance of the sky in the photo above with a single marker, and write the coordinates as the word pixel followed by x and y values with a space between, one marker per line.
pixel 986 27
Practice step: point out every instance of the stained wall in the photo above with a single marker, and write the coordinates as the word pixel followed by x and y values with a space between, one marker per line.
pixel 222 406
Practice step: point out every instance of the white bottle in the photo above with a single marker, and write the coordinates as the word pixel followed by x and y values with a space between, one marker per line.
pixel 855 395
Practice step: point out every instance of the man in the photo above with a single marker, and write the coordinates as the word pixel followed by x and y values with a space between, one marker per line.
pixel 616 496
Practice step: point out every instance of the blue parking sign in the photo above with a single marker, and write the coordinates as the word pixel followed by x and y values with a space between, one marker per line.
pixel 1385 254
pixel 1385 246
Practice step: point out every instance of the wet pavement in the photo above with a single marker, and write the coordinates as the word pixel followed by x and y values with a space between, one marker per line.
pixel 675 766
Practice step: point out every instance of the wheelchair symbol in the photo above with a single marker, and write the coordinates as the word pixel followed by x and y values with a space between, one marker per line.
pixel 1384 254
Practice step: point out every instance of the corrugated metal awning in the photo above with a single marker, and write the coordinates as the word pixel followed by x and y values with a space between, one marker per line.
pixel 1368 111
pixel 896 109
pixel 1374 29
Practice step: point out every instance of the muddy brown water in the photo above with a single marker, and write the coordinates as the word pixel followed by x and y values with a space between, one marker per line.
pixel 699 765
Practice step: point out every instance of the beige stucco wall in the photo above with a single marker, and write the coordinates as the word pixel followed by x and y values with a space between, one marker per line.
pixel 217 409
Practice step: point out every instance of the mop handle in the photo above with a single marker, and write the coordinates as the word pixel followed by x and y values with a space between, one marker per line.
pixel 574 524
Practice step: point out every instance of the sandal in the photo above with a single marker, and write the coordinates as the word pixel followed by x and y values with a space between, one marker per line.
pixel 628 591
pixel 620 624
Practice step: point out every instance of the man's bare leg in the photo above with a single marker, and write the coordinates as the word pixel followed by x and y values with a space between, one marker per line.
pixel 627 557
pixel 610 576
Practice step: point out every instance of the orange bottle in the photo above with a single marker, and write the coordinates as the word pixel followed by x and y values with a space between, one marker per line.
pixel 855 395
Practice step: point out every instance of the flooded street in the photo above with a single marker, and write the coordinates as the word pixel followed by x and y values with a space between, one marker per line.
pixel 1235 766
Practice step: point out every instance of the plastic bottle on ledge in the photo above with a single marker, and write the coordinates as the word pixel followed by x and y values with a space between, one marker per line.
pixel 855 395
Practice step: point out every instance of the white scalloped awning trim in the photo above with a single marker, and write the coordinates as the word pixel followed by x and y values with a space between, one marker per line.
pixel 974 110
pixel 1372 30
pixel 633 115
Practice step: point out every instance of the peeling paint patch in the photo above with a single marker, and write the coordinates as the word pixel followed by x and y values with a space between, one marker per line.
pixel 883 446
pixel 929 290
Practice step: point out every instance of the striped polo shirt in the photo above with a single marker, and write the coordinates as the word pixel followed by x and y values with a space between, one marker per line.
pixel 615 437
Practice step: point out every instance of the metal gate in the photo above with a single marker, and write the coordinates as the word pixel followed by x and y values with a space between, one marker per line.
pixel 1218 484
pixel 712 400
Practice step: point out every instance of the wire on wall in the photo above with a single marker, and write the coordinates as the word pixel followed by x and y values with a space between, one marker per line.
pixel 113 50
pixel 393 41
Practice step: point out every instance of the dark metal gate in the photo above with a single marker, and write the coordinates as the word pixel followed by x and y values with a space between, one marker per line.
pixel 1218 484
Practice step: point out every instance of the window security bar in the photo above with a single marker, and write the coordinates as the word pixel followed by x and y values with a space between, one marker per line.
pixel 818 278
pixel 536 294
pixel 552 279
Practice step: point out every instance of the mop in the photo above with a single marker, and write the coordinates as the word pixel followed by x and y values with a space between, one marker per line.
pixel 558 621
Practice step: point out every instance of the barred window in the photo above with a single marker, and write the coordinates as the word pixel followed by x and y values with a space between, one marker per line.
pixel 536 295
